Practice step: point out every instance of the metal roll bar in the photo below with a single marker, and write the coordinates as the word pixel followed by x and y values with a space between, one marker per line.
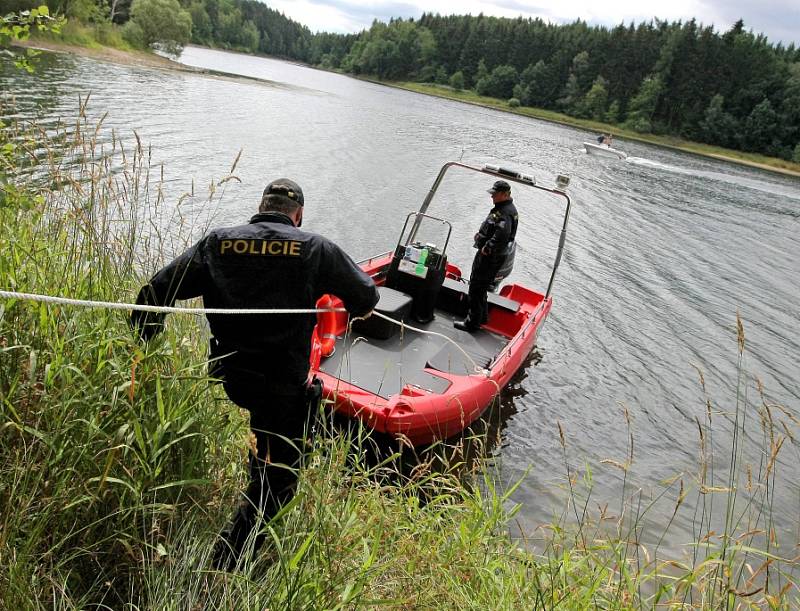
pixel 510 175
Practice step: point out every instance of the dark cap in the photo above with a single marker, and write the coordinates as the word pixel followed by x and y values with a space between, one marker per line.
pixel 500 185
pixel 287 188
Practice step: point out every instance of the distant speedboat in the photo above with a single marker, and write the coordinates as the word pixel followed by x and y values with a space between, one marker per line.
pixel 603 149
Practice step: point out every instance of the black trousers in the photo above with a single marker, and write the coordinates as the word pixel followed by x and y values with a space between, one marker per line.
pixel 282 425
pixel 484 270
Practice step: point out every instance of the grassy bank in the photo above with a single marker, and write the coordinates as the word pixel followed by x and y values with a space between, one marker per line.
pixel 119 462
pixel 470 97
pixel 101 41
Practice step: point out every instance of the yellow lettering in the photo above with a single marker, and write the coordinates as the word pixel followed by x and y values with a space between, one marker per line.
pixel 285 248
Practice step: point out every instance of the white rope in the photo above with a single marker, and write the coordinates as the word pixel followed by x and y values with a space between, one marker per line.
pixel 110 305
pixel 403 325
pixel 86 303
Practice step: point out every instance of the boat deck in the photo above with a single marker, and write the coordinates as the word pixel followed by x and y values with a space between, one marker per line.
pixel 384 366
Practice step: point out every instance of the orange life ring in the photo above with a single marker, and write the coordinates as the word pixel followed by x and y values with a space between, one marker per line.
pixel 326 326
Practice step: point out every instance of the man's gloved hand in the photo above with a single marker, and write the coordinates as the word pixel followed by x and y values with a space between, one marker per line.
pixel 486 251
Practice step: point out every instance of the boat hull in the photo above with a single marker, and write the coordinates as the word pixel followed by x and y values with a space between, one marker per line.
pixel 604 150
pixel 445 402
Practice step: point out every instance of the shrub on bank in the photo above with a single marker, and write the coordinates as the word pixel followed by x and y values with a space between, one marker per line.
pixel 163 24
pixel 90 35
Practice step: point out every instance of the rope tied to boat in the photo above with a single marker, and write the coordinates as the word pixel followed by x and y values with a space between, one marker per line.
pixel 403 326
pixel 111 305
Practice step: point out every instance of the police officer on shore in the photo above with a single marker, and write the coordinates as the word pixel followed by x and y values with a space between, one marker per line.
pixel 262 360
pixel 494 241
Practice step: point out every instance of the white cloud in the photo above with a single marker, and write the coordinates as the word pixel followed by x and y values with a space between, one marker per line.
pixel 318 17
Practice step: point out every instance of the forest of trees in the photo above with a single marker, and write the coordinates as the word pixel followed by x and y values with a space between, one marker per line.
pixel 733 89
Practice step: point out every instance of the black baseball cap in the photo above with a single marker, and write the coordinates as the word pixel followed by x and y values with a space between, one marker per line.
pixel 287 188
pixel 500 185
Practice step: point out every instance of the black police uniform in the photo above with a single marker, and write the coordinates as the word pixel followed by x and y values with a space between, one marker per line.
pixel 496 235
pixel 263 360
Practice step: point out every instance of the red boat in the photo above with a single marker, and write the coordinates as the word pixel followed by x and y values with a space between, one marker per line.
pixel 426 386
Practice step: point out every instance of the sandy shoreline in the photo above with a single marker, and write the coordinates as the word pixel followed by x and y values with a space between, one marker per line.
pixel 151 60
pixel 117 56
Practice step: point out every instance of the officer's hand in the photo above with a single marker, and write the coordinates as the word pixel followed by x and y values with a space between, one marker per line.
pixel 486 251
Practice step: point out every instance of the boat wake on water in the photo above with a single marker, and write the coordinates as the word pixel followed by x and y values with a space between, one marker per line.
pixel 733 179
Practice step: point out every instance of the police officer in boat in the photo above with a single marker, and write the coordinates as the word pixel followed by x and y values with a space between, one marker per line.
pixel 495 242
pixel 262 360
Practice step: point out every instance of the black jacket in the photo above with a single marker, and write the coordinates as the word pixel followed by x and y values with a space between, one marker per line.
pixel 499 229
pixel 268 263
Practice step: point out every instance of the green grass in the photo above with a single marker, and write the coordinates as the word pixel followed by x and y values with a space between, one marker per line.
pixel 119 463
pixel 90 36
pixel 770 163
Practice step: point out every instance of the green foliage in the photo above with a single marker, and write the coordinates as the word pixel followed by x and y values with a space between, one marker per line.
pixel 595 102
pixel 612 115
pixel 482 72
pixel 796 154
pixel 163 24
pixel 237 32
pixel 513 103
pixel 86 11
pixel 202 28
pixel 643 105
pixel 570 95
pixel 391 51
pixel 719 126
pixel 132 32
pixel 537 86
pixel 102 439
pixel 499 83
pixel 16 27
pixel 761 129
pixel 457 80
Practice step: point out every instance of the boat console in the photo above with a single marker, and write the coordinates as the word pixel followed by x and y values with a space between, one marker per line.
pixel 418 269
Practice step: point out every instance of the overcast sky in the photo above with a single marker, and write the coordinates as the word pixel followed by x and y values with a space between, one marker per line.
pixel 778 19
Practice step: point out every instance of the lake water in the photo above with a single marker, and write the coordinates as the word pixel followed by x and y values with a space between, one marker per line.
pixel 663 250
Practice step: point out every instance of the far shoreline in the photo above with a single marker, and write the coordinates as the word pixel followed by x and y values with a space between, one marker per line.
pixel 149 59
